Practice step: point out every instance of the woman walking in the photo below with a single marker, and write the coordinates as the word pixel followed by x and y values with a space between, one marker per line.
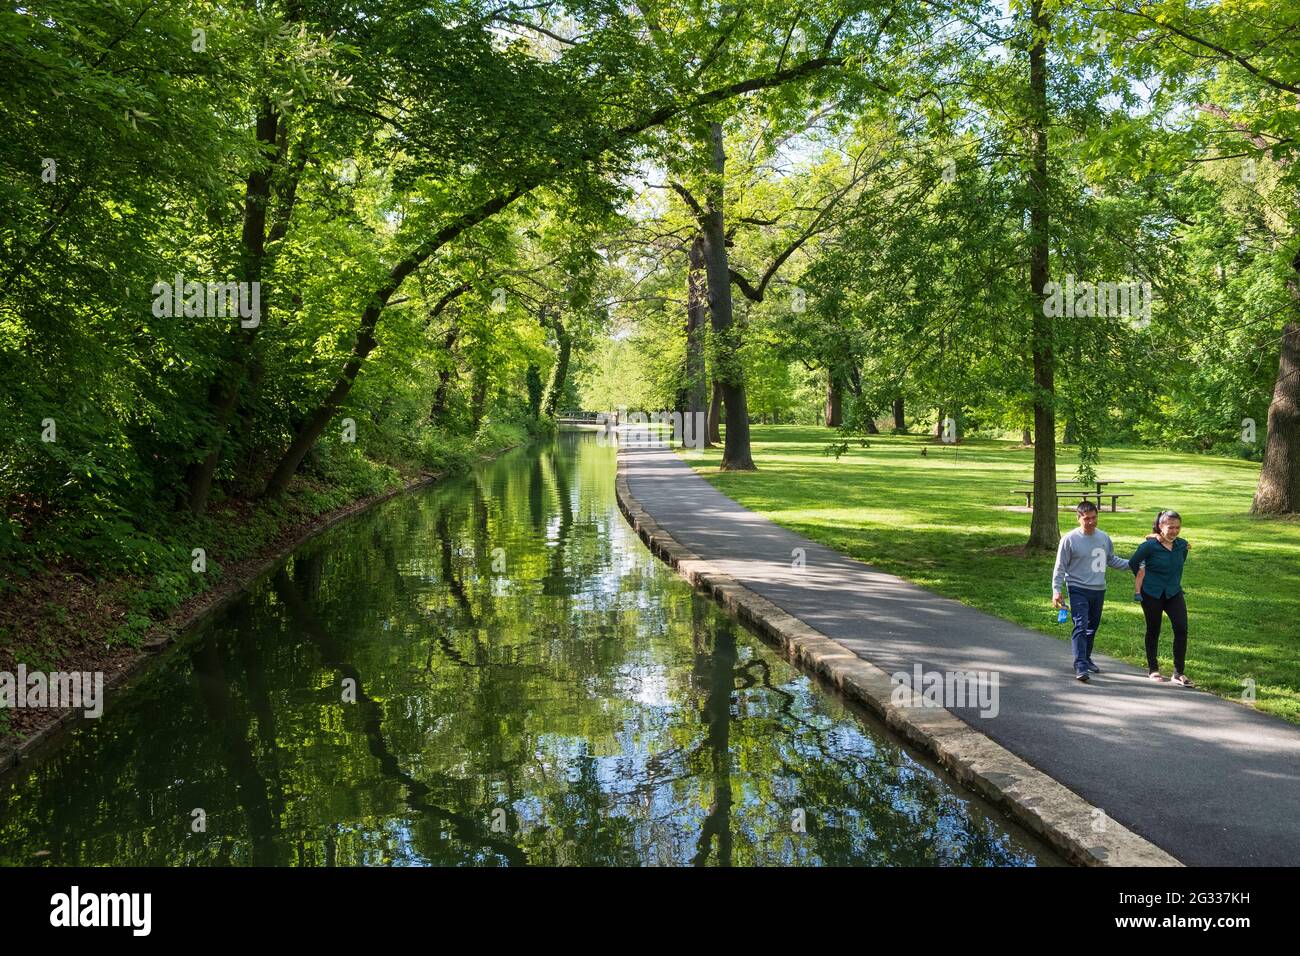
pixel 1162 591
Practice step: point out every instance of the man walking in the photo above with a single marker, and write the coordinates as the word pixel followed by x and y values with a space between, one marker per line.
pixel 1081 560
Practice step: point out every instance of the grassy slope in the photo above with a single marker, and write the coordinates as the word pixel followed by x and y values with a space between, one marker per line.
pixel 939 521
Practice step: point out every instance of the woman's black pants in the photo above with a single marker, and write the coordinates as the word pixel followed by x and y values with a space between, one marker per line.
pixel 1176 608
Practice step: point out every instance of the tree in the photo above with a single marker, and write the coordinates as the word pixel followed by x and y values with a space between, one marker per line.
pixel 543 149
pixel 1250 51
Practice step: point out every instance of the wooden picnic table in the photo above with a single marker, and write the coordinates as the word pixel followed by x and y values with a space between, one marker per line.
pixel 1072 495
pixel 1099 483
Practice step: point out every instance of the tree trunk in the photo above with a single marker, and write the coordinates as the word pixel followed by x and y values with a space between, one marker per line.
pixel 736 455
pixel 479 398
pixel 314 424
pixel 223 394
pixel 444 377
pixel 900 420
pixel 559 371
pixel 834 401
pixel 855 383
pixel 938 422
pixel 697 305
pixel 247 414
pixel 715 414
pixel 1278 491
pixel 1044 530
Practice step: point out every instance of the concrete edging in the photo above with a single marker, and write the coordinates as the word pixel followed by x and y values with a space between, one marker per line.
pixel 1041 804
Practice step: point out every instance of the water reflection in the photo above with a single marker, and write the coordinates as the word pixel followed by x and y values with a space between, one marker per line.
pixel 494 672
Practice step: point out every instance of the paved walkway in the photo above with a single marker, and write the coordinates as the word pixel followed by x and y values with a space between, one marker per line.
pixel 1208 780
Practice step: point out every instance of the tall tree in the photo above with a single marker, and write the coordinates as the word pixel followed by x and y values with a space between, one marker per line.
pixel 1044 530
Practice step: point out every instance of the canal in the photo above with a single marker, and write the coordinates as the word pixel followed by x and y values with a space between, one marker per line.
pixel 489 671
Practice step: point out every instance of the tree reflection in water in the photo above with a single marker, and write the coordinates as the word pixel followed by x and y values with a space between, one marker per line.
pixel 583 706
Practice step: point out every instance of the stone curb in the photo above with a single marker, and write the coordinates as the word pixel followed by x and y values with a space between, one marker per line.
pixel 1041 804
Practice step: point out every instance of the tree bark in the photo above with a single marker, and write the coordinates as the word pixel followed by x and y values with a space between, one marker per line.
pixel 900 420
pixel 834 401
pixel 449 338
pixel 1278 491
pixel 715 415
pixel 246 415
pixel 729 376
pixel 697 305
pixel 1044 529
pixel 855 383
pixel 223 395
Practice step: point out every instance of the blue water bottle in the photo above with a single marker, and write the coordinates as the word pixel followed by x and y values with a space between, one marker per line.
pixel 1062 615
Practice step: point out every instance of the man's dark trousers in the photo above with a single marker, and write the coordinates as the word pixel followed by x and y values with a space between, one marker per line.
pixel 1085 609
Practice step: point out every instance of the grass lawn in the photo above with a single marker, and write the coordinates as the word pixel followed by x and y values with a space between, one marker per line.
pixel 940 520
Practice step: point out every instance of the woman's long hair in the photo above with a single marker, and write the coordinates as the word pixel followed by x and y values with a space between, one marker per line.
pixel 1161 518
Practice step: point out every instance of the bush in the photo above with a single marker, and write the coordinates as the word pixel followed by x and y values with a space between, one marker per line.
pixel 1236 449
pixel 496 435
pixel 342 466
pixel 541 428
pixel 439 452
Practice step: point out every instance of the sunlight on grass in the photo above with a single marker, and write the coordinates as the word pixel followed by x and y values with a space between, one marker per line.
pixel 937 520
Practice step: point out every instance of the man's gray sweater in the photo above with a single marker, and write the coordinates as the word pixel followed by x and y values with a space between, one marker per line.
pixel 1081 561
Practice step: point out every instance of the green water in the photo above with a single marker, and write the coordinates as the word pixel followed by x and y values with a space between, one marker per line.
pixel 531 687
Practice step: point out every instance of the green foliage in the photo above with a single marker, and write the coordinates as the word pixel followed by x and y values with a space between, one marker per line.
pixel 496 435
pixel 151 142
pixel 342 466
pixel 442 205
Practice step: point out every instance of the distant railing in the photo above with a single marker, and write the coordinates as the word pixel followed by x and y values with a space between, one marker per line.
pixel 578 416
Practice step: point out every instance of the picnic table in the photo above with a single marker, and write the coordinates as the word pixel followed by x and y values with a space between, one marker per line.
pixel 1097 491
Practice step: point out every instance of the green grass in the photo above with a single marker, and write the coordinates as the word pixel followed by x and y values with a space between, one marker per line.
pixel 941 520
